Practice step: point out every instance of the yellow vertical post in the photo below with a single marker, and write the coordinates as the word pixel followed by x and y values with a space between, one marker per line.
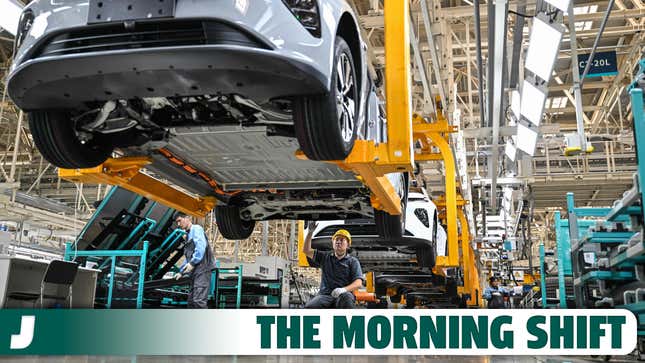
pixel 398 82
pixel 451 198
pixel 371 161
pixel 471 275
pixel 464 240
pixel 438 133
pixel 302 258
pixel 369 281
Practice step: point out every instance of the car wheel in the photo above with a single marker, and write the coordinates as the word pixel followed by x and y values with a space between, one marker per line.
pixel 326 125
pixel 230 224
pixel 426 257
pixel 410 301
pixel 389 226
pixel 380 290
pixel 54 136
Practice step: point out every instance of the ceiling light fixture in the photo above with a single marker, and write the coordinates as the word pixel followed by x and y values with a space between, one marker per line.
pixel 544 44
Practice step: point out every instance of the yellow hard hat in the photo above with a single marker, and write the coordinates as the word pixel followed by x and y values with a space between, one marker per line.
pixel 344 233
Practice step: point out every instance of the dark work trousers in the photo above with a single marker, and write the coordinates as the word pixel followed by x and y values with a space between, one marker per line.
pixel 496 302
pixel 344 301
pixel 199 288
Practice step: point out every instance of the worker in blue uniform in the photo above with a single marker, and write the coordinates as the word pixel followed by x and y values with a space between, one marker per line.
pixel 341 273
pixel 495 294
pixel 198 264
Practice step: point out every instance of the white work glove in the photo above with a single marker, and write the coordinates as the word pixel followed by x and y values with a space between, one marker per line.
pixel 338 291
pixel 188 268
pixel 177 276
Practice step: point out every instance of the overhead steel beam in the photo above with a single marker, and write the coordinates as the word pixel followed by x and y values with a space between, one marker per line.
pixel 480 69
pixel 421 66
pixel 377 21
pixel 567 109
pixel 436 65
pixel 498 92
pixel 518 38
pixel 560 86
pixel 488 79
pixel 577 85
pixel 505 131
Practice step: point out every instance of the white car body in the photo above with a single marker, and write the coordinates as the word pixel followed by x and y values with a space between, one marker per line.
pixel 422 231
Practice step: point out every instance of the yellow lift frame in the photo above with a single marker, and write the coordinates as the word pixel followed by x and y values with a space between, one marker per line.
pixel 471 274
pixel 465 252
pixel 126 173
pixel 372 161
pixel 437 134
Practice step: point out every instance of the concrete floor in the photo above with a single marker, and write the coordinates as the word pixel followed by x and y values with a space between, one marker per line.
pixel 297 359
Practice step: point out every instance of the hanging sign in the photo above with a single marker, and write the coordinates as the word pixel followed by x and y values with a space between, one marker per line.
pixel 603 64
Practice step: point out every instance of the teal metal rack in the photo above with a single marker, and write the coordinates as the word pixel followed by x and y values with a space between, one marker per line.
pixel 169 243
pixel 564 245
pixel 543 276
pixel 220 297
pixel 599 243
pixel 71 253
pixel 634 254
pixel 617 270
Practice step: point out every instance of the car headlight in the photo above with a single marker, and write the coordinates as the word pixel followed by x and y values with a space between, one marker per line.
pixel 306 11
pixel 24 25
pixel 422 215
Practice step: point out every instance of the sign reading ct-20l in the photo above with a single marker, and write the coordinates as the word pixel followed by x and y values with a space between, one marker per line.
pixel 603 64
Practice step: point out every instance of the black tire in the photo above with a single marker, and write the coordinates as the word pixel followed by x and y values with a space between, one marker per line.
pixel 380 290
pixel 395 299
pixel 451 288
pixel 382 304
pixel 426 257
pixel 230 224
pixel 410 301
pixel 54 136
pixel 317 119
pixel 389 226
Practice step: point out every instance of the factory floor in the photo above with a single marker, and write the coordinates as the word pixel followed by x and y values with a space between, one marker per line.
pixel 297 359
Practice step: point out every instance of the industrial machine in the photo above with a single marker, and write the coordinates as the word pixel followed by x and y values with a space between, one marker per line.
pixel 22 282
pixel 601 250
pixel 123 224
pixel 265 283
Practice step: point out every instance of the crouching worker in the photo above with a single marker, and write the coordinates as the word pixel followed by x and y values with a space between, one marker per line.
pixel 341 273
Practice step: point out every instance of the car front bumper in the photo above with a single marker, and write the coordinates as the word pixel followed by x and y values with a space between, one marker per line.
pixel 69 81
pixel 254 48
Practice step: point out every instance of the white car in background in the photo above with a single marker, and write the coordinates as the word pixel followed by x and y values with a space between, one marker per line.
pixel 423 239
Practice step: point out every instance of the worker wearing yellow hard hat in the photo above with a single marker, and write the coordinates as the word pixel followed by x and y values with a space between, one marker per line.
pixel 341 273
pixel 344 233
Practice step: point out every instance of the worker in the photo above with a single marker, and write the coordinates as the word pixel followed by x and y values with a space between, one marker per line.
pixel 341 273
pixel 198 264
pixel 494 294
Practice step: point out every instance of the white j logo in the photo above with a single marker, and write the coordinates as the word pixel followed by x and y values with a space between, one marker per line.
pixel 23 340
